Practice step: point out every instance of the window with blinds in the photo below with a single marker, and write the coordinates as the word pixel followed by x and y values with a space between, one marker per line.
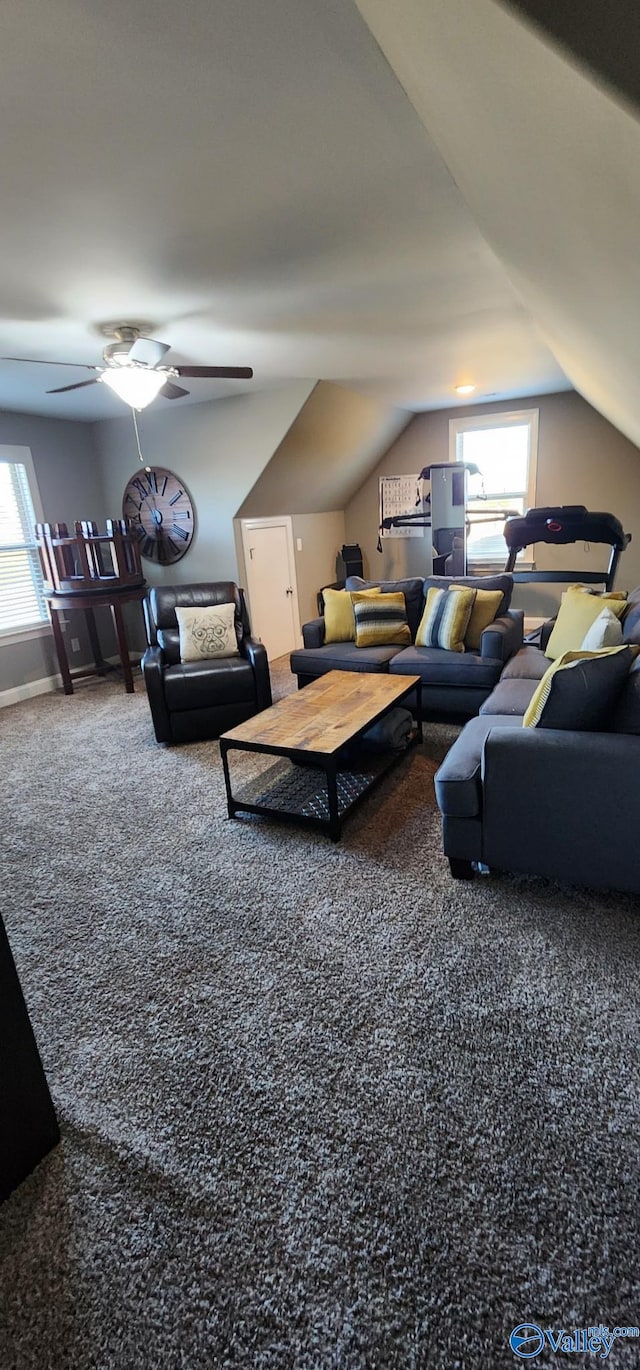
pixel 504 447
pixel 22 603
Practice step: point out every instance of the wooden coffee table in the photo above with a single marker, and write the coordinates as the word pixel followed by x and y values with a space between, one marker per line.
pixel 323 772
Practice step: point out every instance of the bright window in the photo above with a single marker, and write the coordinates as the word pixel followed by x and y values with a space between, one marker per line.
pixel 22 603
pixel 505 448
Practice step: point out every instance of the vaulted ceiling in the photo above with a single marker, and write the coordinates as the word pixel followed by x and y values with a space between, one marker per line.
pixel 395 198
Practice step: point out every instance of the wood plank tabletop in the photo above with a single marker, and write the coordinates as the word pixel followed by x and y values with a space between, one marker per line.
pixel 326 714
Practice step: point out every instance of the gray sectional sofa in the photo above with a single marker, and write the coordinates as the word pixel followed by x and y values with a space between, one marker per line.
pixel 453 683
pixel 541 801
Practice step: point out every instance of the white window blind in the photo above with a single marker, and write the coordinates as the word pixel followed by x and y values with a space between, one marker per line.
pixel 504 448
pixel 22 603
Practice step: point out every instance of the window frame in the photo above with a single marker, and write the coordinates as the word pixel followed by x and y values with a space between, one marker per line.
pixel 511 418
pixel 22 456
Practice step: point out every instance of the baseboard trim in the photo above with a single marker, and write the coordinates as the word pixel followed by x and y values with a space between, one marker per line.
pixel 46 685
pixel 18 693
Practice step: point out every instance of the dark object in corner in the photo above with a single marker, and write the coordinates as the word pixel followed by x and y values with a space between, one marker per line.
pixel 28 1124
pixel 348 563
pixel 351 557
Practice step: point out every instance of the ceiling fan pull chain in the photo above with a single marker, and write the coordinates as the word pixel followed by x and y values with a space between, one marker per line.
pixel 135 428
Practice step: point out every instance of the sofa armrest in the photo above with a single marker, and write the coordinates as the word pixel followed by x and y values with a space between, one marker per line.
pixel 153 665
pixel 256 654
pixel 313 633
pixel 545 633
pixel 562 804
pixel 503 638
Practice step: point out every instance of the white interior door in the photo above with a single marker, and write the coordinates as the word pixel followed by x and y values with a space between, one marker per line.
pixel 271 586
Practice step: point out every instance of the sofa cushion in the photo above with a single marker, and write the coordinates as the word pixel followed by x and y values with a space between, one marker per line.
pixel 580 690
pixel 437 667
pixel 446 618
pixel 503 582
pixel 458 782
pixel 340 656
pixel 380 619
pixel 412 589
pixel 626 713
pixel 527 664
pixel 631 623
pixel 510 697
pixel 200 684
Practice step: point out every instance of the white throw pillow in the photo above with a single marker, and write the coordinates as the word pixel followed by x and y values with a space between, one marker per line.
pixel 605 631
pixel 207 633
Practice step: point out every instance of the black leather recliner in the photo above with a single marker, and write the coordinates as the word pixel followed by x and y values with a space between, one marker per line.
pixel 194 700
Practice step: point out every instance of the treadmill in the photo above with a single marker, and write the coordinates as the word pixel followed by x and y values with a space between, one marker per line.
pixel 564 524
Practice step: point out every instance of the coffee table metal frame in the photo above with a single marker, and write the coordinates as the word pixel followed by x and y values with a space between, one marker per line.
pixel 329 763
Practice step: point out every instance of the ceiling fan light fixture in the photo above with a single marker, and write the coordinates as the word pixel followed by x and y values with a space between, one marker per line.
pixel 136 385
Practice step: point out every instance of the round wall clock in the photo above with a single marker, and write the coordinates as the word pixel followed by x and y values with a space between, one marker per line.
pixel 162 513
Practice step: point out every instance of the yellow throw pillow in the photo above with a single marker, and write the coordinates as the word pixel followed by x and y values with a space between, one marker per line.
pixel 606 594
pixel 579 690
pixel 576 614
pixel 339 623
pixel 486 606
pixel 381 620
pixel 446 618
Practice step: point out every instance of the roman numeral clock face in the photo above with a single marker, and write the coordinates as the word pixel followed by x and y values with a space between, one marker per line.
pixel 162 514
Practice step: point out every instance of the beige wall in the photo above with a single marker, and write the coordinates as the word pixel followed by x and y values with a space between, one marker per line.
pixel 328 451
pixel 582 459
pixel 322 536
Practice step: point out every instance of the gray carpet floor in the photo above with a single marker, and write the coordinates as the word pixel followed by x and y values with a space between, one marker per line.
pixel 321 1106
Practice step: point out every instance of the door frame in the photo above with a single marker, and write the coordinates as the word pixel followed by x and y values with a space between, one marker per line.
pixel 273 521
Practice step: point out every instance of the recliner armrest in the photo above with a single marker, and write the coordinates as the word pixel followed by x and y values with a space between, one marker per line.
pixel 255 653
pixel 313 633
pixel 503 638
pixel 153 664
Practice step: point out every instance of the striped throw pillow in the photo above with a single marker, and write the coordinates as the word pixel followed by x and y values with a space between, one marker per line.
pixel 381 620
pixel 446 618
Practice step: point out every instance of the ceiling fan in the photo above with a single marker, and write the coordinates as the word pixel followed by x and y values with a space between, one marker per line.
pixel 132 369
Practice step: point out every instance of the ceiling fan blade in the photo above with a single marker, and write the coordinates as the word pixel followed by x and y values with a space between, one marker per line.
pixel 148 351
pixel 231 373
pixel 38 361
pixel 78 386
pixel 172 392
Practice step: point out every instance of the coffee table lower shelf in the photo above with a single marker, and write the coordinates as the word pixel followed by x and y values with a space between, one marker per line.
pixel 320 749
pixel 319 794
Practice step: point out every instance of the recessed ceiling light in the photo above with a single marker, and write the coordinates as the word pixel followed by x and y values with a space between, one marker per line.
pixel 464 389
